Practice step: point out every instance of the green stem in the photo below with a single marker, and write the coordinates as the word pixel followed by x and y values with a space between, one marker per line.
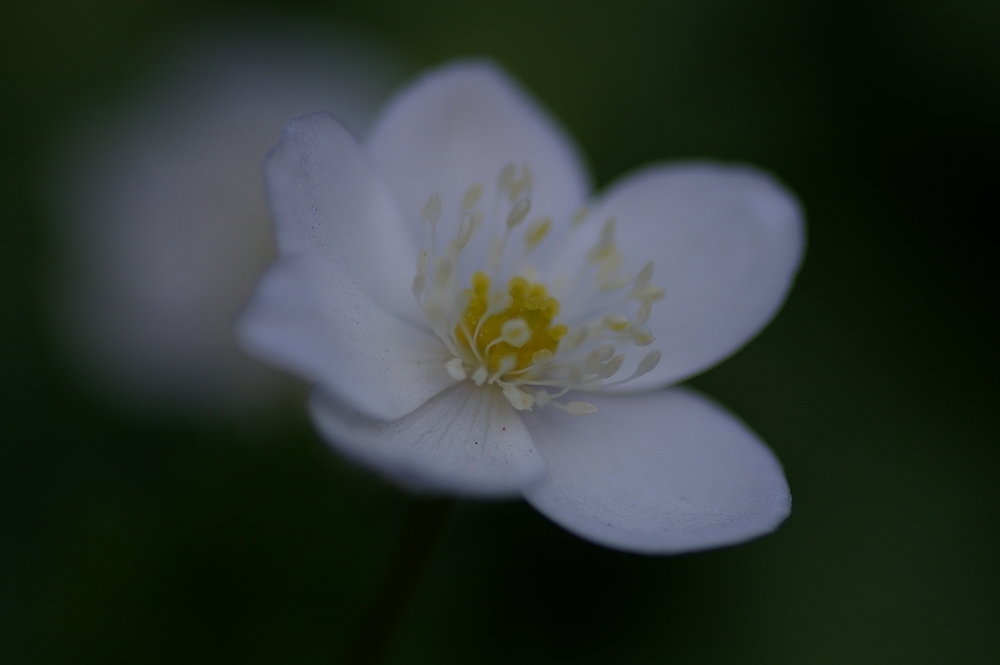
pixel 407 567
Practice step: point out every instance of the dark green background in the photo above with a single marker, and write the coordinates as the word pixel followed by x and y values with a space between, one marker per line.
pixel 131 540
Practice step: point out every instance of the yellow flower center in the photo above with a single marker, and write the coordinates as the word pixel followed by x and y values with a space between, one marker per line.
pixel 505 337
pixel 516 337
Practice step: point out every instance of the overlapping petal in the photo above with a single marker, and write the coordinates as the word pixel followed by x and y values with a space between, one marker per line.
pixel 463 123
pixel 327 199
pixel 726 242
pixel 465 441
pixel 659 473
pixel 309 317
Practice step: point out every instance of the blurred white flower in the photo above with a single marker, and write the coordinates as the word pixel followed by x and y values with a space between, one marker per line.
pixel 472 330
pixel 162 220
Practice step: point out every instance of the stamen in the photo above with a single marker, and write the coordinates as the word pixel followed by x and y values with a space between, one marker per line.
pixel 646 365
pixel 420 280
pixel 465 228
pixel 518 213
pixel 501 328
pixel 507 363
pixel 606 247
pixel 442 272
pixel 519 399
pixel 536 232
pixel 506 177
pixel 645 309
pixel 642 279
pixel 522 185
pixel 641 335
pixel 616 322
pixel 455 369
pixel 652 292
pixel 432 209
pixel 577 408
pixel 472 197
pixel 596 359
pixel 611 367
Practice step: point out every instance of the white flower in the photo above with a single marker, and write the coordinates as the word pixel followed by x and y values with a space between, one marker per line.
pixel 163 219
pixel 460 218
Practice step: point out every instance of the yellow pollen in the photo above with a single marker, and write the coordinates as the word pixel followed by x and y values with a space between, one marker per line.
pixel 529 303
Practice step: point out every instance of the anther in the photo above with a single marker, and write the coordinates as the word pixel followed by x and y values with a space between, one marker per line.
pixel 541 356
pixel 605 249
pixel 472 197
pixel 641 335
pixel 518 212
pixel 648 363
pixel 536 232
pixel 580 408
pixel 650 291
pixel 455 369
pixel 432 210
pixel 642 279
pixel 522 185
pixel 518 398
pixel 506 177
pixel 611 367
pixel 645 309
pixel 465 230
pixel 616 322
pixel 596 358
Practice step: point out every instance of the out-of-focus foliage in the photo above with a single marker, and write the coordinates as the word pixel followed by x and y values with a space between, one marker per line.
pixel 130 539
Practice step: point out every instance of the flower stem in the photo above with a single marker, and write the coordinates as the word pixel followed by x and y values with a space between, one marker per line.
pixel 408 565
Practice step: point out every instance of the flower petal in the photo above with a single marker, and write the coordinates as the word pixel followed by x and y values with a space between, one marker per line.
pixel 327 199
pixel 309 317
pixel 461 124
pixel 658 473
pixel 467 440
pixel 726 242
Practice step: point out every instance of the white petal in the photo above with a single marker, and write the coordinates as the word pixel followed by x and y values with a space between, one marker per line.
pixel 467 441
pixel 327 199
pixel 726 242
pixel 657 473
pixel 310 318
pixel 462 124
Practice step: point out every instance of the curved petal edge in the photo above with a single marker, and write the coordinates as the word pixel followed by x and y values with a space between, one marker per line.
pixel 466 441
pixel 660 473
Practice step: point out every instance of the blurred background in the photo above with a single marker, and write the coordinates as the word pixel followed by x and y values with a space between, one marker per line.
pixel 153 508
